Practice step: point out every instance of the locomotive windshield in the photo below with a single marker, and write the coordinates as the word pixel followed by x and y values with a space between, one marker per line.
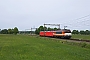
pixel 58 32
pixel 66 30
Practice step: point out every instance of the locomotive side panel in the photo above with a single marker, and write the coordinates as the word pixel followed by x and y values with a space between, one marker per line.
pixel 49 34
pixel 41 33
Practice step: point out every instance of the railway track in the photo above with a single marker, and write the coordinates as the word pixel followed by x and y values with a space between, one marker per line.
pixel 79 40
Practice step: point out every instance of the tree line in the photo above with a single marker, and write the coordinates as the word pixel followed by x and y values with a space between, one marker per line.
pixel 41 28
pixel 82 32
pixel 9 31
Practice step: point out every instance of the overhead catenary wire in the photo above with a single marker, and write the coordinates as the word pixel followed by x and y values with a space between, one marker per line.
pixel 79 22
pixel 79 19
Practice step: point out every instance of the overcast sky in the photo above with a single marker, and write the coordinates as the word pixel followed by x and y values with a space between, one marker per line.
pixel 25 14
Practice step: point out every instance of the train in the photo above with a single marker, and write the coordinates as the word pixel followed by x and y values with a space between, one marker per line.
pixel 63 33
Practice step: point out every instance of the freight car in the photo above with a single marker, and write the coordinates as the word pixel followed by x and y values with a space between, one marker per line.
pixel 63 33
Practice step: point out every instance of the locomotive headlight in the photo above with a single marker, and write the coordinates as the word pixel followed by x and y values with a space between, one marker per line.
pixel 68 34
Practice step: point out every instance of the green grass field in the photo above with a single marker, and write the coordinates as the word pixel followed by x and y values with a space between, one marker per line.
pixel 86 37
pixel 24 47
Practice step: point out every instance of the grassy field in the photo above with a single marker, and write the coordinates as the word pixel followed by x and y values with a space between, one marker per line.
pixel 24 47
pixel 87 37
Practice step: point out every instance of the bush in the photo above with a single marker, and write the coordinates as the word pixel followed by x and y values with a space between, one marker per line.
pixel 83 45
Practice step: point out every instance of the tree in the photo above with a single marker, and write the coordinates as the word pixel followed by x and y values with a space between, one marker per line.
pixel 45 28
pixel 55 29
pixel 10 31
pixel 52 29
pixel 4 31
pixel 49 29
pixel 82 32
pixel 87 32
pixel 15 30
pixel 75 32
pixel 0 31
pixel 37 31
pixel 41 28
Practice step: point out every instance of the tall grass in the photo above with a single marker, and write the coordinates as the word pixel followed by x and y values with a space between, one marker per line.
pixel 23 47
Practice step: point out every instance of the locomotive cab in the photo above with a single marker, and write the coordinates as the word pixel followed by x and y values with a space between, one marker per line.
pixel 64 33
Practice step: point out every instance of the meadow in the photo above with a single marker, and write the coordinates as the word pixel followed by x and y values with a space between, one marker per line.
pixel 78 36
pixel 25 47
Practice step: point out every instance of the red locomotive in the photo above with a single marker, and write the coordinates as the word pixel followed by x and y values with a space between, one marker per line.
pixel 64 33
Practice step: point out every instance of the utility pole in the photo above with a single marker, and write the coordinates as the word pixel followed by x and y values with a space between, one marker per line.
pixel 0 31
pixel 26 31
pixel 51 25
pixel 32 29
pixel 65 27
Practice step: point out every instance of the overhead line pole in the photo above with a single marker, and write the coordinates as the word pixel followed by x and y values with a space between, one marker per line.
pixel 51 25
pixel 32 28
